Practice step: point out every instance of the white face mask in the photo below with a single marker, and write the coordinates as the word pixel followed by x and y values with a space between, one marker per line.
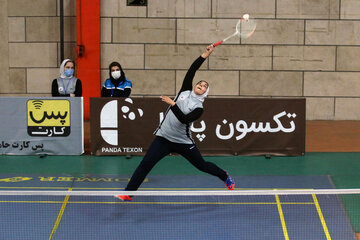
pixel 116 74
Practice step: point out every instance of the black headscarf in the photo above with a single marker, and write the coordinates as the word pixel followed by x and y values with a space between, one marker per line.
pixel 122 77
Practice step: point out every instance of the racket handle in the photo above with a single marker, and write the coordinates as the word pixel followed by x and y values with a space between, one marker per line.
pixel 218 43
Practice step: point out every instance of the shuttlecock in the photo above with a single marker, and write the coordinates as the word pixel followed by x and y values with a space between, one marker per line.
pixel 246 17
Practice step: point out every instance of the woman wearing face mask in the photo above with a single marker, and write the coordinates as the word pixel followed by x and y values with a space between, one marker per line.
pixel 67 85
pixel 173 133
pixel 117 85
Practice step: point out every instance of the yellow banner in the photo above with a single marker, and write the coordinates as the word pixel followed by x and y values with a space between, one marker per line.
pixel 51 113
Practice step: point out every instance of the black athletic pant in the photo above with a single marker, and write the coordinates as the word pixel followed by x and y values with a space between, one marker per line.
pixel 160 148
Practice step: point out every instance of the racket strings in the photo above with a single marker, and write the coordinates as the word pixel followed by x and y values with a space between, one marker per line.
pixel 245 28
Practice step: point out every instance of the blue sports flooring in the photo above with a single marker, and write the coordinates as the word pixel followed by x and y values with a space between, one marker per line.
pixel 222 217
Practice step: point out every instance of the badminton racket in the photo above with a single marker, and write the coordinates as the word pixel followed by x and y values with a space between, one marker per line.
pixel 245 27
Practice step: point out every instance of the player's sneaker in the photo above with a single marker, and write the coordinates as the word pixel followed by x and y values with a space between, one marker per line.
pixel 229 182
pixel 124 198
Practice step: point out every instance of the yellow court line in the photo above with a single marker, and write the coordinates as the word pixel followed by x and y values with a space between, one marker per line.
pixel 184 203
pixel 294 203
pixel 322 219
pixel 33 187
pixel 57 222
pixel 282 219
pixel 16 201
pixel 192 203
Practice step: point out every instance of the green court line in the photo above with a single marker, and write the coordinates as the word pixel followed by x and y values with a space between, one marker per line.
pixel 180 189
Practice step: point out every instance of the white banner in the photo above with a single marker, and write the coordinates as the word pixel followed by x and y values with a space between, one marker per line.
pixel 51 126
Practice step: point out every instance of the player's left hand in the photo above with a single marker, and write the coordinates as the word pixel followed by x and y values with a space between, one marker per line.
pixel 167 100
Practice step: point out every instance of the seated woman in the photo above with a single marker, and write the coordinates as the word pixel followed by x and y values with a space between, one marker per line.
pixel 67 85
pixel 117 85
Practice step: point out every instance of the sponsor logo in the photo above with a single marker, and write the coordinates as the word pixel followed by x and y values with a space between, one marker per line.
pixel 48 118
pixel 109 119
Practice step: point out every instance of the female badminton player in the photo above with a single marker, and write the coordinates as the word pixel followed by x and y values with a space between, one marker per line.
pixel 173 133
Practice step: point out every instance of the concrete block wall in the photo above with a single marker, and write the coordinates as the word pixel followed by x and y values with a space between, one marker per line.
pixel 301 48
pixel 30 44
